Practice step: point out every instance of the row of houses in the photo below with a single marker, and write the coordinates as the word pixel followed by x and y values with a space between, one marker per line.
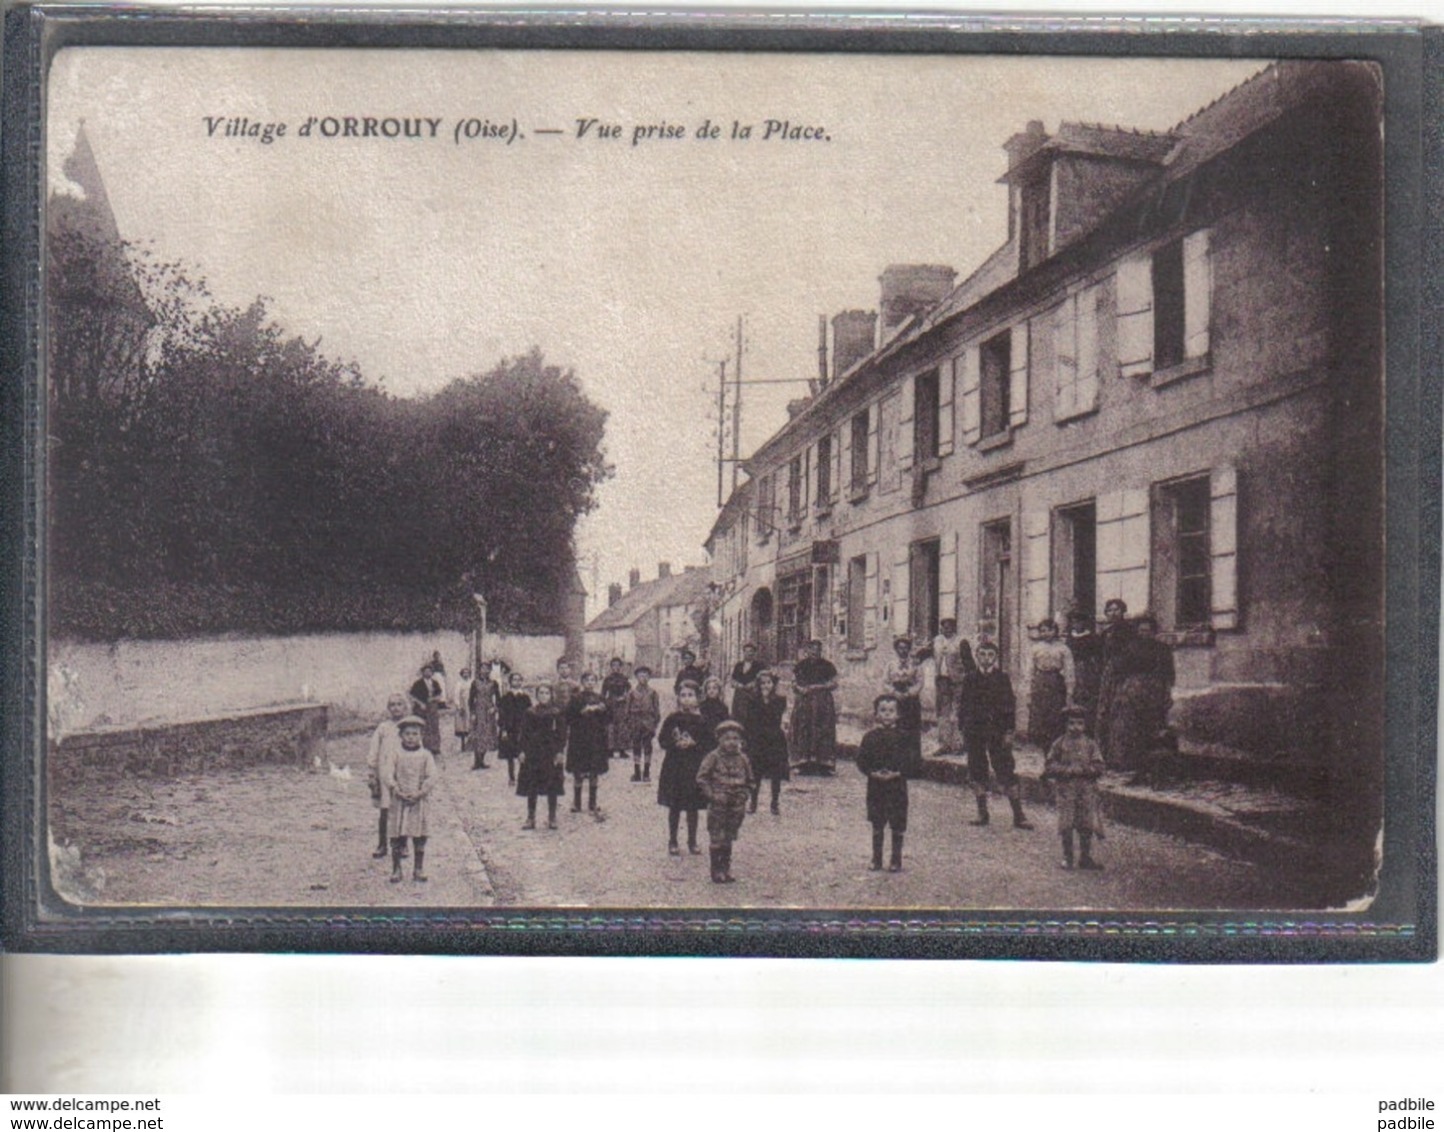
pixel 1165 386
pixel 651 622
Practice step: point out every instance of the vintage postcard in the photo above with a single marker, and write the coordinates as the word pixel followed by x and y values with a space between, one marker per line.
pixel 547 485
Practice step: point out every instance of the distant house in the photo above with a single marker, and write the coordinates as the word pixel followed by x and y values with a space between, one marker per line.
pixel 1165 387
pixel 651 622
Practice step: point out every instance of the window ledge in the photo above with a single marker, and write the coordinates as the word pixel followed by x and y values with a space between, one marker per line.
pixel 858 494
pixel 1188 638
pixel 1075 415
pixel 1189 367
pixel 822 510
pixel 931 464
pixel 996 441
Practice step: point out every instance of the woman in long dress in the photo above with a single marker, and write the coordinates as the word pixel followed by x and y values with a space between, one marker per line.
pixel 814 714
pixel 427 698
pixel 485 706
pixel 1142 694
pixel 1116 632
pixel 1051 680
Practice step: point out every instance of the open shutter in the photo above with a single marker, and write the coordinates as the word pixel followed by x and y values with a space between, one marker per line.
pixel 1087 356
pixel 1223 547
pixel 874 419
pixel 1035 566
pixel 907 414
pixel 837 465
pixel 945 410
pixel 869 622
pixel 843 488
pixel 1065 352
pixel 809 457
pixel 1018 376
pixel 1123 548
pixel 1135 316
pixel 965 366
pixel 948 576
pixel 1197 293
pixel 901 587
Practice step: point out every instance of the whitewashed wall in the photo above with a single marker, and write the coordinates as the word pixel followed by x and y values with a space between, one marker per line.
pixel 132 682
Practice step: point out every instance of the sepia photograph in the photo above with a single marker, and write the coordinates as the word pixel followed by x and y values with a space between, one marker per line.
pixel 494 481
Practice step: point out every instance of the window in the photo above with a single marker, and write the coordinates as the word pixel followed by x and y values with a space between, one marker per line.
pixel 766 507
pixel 1075 559
pixel 860 441
pixel 824 472
pixel 856 603
pixel 794 491
pixel 925 416
pixel 994 392
pixel 1165 306
pixel 1181 557
pixel 923 590
pixel 794 606
pixel 995 587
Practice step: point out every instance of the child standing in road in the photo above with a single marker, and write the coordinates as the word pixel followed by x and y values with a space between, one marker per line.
pixel 385 742
pixel 687 740
pixel 410 780
pixel 725 777
pixel 643 714
pixel 888 756
pixel 987 713
pixel 587 719
pixel 1074 765
pixel 543 736
pixel 615 689
pixel 511 708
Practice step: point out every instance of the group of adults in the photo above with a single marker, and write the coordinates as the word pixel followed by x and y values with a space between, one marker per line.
pixel 473 701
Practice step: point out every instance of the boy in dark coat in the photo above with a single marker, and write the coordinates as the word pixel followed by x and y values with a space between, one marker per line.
pixel 987 713
pixel 889 758
pixel 686 738
pixel 543 737
pixel 587 719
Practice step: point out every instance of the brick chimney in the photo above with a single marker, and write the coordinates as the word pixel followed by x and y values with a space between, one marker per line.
pixel 854 337
pixel 634 578
pixel 614 593
pixel 909 289
pixel 664 570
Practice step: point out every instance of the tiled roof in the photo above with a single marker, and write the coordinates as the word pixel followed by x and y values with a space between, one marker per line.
pixel 683 588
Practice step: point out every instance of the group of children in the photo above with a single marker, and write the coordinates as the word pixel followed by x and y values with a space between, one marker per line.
pixel 715 758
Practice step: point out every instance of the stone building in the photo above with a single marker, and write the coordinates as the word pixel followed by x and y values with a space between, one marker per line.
pixel 651 622
pixel 1165 386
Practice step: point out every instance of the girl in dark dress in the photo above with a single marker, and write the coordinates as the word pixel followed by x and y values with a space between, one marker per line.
pixel 510 710
pixel 814 716
pixel 766 742
pixel 744 680
pixel 614 690
pixel 1142 694
pixel 543 735
pixel 685 739
pixel 1087 649
pixel 587 720
pixel 713 707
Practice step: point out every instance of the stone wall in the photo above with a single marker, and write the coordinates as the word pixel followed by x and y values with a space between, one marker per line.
pixel 133 682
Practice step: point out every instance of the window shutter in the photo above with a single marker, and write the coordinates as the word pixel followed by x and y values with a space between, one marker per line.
pixel 966 367
pixel 1135 316
pixel 1035 564
pixel 1018 376
pixel 1223 547
pixel 1065 323
pixel 874 418
pixel 837 465
pixel 908 411
pixel 945 410
pixel 844 460
pixel 1087 344
pixel 948 576
pixel 1197 293
pixel 1123 548
pixel 901 579
pixel 869 621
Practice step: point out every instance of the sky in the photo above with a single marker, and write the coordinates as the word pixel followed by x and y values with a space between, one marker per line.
pixel 627 259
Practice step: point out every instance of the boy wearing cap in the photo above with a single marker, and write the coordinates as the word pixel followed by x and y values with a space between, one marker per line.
pixel 643 714
pixel 987 713
pixel 410 779
pixel 1074 764
pixel 725 777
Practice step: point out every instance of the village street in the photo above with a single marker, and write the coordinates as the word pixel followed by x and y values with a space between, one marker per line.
pixel 282 836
